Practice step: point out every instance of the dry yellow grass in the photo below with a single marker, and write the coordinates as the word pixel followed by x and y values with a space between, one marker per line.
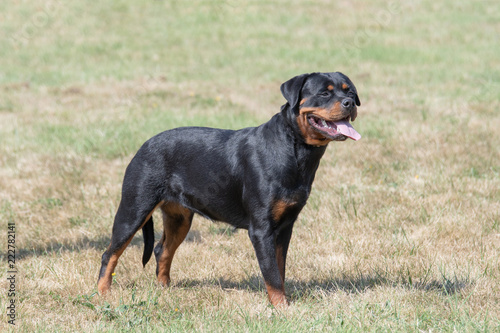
pixel 397 226
pixel 401 232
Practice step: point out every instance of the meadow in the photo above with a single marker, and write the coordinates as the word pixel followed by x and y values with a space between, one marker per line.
pixel 401 232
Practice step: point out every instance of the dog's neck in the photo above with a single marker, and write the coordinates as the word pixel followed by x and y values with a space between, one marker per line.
pixel 307 156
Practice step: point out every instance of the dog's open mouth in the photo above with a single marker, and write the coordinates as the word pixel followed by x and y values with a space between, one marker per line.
pixel 334 129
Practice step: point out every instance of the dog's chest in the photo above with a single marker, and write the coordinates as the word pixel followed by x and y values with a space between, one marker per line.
pixel 295 196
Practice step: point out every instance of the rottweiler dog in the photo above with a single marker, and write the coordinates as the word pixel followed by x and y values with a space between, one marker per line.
pixel 256 178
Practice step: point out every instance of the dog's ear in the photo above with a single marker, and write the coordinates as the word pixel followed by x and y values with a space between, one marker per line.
pixel 291 89
pixel 358 102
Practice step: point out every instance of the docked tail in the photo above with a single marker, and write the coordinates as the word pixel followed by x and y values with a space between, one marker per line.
pixel 148 234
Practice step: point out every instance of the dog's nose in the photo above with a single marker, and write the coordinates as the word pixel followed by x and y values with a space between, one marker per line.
pixel 348 103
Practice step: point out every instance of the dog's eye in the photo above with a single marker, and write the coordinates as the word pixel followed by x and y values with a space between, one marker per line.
pixel 325 93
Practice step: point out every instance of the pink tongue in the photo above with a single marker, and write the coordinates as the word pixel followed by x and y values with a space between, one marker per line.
pixel 345 128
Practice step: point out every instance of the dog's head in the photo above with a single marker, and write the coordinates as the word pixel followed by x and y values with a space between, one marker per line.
pixel 322 106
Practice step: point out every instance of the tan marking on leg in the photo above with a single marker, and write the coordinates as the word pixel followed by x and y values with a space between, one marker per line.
pixel 276 296
pixel 173 236
pixel 281 262
pixel 104 283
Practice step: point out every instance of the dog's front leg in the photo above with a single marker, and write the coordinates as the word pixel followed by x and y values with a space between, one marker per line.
pixel 264 242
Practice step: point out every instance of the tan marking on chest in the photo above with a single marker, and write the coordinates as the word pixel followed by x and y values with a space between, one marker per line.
pixel 280 207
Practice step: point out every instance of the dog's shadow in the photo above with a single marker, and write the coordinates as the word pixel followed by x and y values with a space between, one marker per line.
pixel 84 243
pixel 55 247
pixel 296 289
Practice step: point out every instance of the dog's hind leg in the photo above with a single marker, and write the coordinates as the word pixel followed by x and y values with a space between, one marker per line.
pixel 132 214
pixel 176 224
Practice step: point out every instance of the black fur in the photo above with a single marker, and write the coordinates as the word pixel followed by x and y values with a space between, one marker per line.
pixel 256 178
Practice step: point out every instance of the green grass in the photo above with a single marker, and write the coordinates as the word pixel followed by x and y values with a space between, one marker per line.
pixel 402 229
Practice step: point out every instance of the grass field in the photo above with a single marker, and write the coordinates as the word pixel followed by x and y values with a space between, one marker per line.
pixel 402 229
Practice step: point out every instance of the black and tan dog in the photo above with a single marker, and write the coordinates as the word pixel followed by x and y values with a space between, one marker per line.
pixel 256 178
